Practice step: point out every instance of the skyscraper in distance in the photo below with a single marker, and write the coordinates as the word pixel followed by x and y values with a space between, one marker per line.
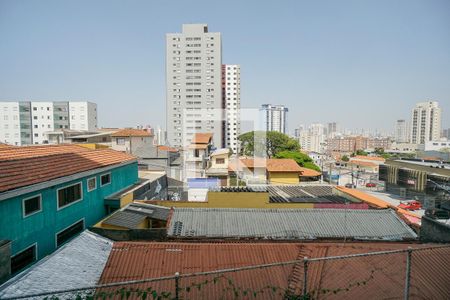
pixel 274 117
pixel 193 81
pixel 425 122
pixel 231 93
pixel 401 131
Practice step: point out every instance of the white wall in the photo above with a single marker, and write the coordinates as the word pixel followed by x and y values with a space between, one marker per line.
pixel 10 123
pixel 41 121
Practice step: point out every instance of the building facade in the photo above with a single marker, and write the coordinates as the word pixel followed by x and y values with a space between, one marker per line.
pixel 274 118
pixel 231 93
pixel 425 122
pixel 25 123
pixel 401 131
pixel 38 214
pixel 193 82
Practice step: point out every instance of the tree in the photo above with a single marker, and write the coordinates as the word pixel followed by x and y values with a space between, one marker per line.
pixel 268 143
pixel 302 159
pixel 345 158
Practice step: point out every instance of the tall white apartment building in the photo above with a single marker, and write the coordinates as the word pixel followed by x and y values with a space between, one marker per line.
pixel 25 122
pixel 193 82
pixel 425 122
pixel 274 117
pixel 231 93
pixel 401 131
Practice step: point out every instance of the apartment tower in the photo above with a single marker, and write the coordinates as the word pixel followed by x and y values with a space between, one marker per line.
pixel 25 122
pixel 274 117
pixel 425 122
pixel 231 93
pixel 401 131
pixel 194 87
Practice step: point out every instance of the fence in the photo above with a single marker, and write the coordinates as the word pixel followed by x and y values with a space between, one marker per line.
pixel 420 273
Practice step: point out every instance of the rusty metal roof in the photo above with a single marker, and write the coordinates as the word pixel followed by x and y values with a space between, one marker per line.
pixel 379 277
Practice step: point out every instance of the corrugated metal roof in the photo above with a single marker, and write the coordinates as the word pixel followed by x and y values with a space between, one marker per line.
pixel 77 264
pixel 288 224
pixel 139 260
pixel 134 213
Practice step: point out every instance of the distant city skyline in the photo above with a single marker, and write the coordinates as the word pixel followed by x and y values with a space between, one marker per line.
pixel 335 62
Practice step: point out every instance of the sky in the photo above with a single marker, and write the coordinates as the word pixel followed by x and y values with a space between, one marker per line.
pixel 363 64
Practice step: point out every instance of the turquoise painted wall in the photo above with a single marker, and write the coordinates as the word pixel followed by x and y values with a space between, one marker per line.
pixel 42 227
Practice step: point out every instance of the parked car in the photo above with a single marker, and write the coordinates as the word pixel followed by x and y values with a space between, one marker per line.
pixel 371 184
pixel 350 186
pixel 410 205
pixel 437 213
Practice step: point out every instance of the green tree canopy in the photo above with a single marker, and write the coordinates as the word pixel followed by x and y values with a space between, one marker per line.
pixel 345 158
pixel 302 159
pixel 268 143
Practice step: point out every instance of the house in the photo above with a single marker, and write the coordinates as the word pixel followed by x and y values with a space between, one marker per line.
pixel 259 170
pixel 48 194
pixel 197 155
pixel 128 140
pixel 218 166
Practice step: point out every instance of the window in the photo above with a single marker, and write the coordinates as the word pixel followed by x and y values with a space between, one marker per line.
pixel 69 195
pixel 32 205
pixel 23 259
pixel 120 141
pixel 220 161
pixel 105 179
pixel 91 184
pixel 69 232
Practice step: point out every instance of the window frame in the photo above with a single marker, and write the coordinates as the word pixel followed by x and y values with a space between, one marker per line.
pixel 110 179
pixel 35 245
pixel 58 232
pixel 76 201
pixel 87 184
pixel 35 212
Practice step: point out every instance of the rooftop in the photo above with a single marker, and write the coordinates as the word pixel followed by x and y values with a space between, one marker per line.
pixel 24 166
pixel 202 138
pixel 283 165
pixel 133 214
pixel 131 132
pixel 288 224
pixel 383 275
pixel 77 264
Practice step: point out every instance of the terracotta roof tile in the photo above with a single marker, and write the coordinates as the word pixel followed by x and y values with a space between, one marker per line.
pixel 201 138
pixel 14 152
pixel 131 132
pixel 363 163
pixel 369 199
pixel 167 148
pixel 374 158
pixel 309 173
pixel 24 168
pixel 283 165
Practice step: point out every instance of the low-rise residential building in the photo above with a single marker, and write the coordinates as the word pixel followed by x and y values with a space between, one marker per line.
pixel 218 166
pixel 50 193
pixel 129 140
pixel 197 155
pixel 439 145
pixel 350 144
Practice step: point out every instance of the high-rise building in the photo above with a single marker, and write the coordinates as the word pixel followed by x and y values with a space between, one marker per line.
pixel 274 117
pixel 401 131
pixel 193 82
pixel 231 93
pixel 313 139
pixel 446 133
pixel 332 129
pixel 425 122
pixel 25 123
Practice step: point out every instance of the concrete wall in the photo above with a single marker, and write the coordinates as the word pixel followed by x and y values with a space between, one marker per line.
pixel 41 228
pixel 433 231
pixel 132 235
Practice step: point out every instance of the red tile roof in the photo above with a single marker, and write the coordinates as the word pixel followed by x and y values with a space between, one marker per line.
pixel 21 166
pixel 284 165
pixel 374 158
pixel 167 148
pixel 362 163
pixel 309 172
pixel 131 132
pixel 13 152
pixel 201 138
pixel 378 276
